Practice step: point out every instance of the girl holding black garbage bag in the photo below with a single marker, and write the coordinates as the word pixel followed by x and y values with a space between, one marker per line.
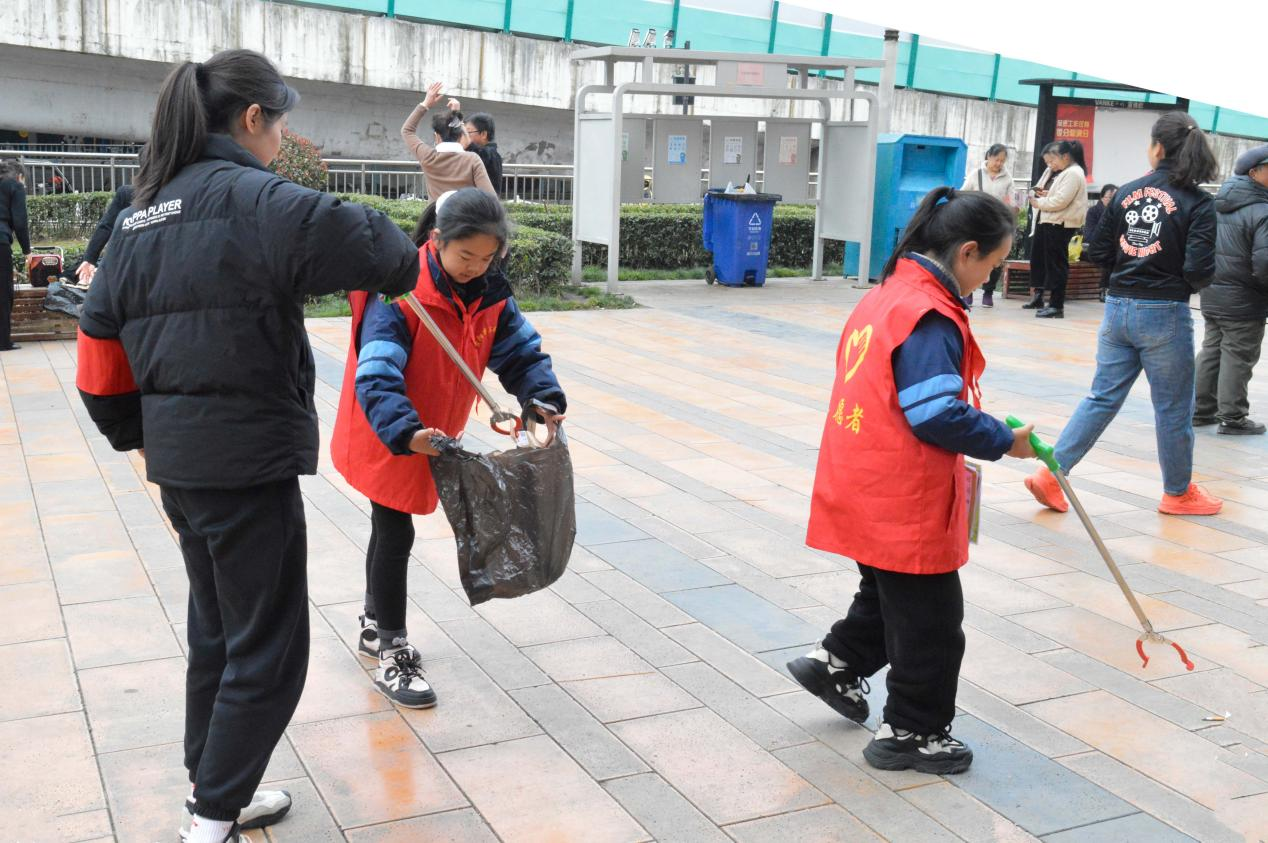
pixel 400 389
pixel 192 346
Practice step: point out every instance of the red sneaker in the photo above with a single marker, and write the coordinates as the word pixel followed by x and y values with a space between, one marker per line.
pixel 1195 501
pixel 1044 486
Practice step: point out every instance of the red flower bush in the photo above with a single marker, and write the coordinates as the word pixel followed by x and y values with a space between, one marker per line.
pixel 300 161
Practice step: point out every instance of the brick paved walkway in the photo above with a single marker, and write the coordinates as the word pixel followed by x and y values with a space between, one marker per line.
pixel 643 696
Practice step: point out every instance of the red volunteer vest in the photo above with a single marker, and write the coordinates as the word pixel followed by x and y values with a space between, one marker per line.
pixel 881 496
pixel 438 391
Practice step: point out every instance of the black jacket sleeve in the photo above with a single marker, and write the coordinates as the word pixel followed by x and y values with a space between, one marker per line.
pixel 1100 249
pixel 323 245
pixel 1199 246
pixel 122 198
pixel 17 215
pixel 103 375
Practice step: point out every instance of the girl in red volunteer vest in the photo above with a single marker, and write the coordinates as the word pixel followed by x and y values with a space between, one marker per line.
pixel 400 388
pixel 890 487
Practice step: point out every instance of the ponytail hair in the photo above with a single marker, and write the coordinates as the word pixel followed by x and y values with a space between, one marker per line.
pixel 947 219
pixel 448 126
pixel 1186 147
pixel 460 214
pixel 199 99
pixel 1072 148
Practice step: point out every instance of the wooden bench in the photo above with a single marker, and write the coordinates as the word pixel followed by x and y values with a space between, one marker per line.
pixel 32 322
pixel 1085 280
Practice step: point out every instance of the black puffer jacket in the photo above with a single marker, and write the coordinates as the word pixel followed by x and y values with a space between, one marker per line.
pixel 1240 289
pixel 1159 238
pixel 205 289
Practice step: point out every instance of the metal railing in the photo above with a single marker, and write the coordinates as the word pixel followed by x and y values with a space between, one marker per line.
pixel 85 172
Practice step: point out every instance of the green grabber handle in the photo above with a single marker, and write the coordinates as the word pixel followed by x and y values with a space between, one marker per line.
pixel 1043 450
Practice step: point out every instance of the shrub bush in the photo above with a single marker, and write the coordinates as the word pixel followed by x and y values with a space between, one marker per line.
pixel 300 161
pixel 65 215
pixel 669 236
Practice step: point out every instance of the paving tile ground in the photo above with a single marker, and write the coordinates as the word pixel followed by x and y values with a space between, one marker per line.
pixel 642 697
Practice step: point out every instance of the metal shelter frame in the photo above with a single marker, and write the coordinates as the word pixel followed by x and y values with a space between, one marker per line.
pixel 1046 124
pixel 802 66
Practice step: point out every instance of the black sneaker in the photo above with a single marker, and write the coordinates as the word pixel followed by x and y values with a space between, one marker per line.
pixel 401 679
pixel 1035 303
pixel 267 807
pixel 832 683
pixel 1204 421
pixel 1050 313
pixel 1241 427
pixel 897 749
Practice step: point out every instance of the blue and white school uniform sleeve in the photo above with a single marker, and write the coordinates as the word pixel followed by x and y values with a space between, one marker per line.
pixel 519 362
pixel 927 370
pixel 383 352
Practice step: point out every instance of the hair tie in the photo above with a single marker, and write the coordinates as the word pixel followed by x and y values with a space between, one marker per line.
pixel 942 200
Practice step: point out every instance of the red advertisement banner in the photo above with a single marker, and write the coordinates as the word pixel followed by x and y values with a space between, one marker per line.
pixel 1076 122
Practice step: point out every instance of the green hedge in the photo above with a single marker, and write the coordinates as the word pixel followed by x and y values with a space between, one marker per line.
pixel 669 236
pixel 540 260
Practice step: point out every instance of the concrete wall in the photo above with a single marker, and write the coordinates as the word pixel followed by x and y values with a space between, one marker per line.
pixel 92 67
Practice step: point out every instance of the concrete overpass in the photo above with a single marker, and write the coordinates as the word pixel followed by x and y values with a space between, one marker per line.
pixel 92 68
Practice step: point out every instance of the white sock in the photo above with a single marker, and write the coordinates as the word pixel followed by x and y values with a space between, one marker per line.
pixel 203 830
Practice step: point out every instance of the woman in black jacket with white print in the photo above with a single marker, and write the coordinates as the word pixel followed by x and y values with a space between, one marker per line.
pixel 1159 233
pixel 192 346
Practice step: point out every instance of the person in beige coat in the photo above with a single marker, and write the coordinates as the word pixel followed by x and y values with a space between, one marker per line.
pixel 447 162
pixel 996 178
pixel 1061 209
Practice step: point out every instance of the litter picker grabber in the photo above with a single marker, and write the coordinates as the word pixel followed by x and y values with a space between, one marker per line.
pixel 499 415
pixel 1044 452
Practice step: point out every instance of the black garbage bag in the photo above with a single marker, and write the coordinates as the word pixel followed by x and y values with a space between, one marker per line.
pixel 513 515
pixel 63 299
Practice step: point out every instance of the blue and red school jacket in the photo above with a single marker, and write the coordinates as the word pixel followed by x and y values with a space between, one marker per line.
pixel 398 380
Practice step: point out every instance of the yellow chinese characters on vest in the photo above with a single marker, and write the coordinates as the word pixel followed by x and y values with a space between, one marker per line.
pixel 852 354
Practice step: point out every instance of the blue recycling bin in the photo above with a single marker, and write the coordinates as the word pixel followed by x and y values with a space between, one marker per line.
pixel 907 168
pixel 737 231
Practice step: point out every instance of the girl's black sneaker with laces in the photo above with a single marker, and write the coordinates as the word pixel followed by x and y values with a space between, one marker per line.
pixel 898 749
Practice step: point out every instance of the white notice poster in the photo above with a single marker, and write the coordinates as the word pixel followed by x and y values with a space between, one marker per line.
pixel 677 149
pixel 788 150
pixel 732 150
pixel 625 147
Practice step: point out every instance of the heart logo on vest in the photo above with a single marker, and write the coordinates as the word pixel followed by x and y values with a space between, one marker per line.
pixel 855 350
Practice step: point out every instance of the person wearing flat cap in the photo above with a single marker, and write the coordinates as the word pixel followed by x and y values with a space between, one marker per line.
pixel 1235 305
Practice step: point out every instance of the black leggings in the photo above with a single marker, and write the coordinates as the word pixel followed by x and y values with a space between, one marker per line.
pixel 1050 261
pixel 386 561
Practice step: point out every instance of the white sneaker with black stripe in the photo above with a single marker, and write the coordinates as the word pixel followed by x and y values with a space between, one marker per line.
pixel 267 807
pixel 401 680
pixel 898 749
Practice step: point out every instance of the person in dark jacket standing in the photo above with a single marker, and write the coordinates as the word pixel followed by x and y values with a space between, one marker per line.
pixel 481 131
pixel 1095 213
pixel 192 347
pixel 1160 235
pixel 1235 306
pixel 101 236
pixel 13 224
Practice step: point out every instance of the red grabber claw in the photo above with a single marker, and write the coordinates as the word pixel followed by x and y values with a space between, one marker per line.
pixel 1140 648
pixel 1188 665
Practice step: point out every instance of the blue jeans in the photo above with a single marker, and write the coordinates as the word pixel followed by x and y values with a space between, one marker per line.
pixel 1136 334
